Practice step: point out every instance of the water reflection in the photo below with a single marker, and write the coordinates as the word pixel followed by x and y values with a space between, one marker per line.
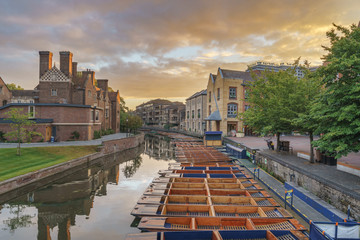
pixel 159 147
pixel 66 204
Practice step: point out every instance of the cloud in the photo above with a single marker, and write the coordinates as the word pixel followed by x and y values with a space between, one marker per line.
pixel 160 48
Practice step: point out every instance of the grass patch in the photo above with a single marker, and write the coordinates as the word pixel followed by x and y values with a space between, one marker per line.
pixel 33 159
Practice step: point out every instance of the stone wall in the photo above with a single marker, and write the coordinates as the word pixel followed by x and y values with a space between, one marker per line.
pixel 332 194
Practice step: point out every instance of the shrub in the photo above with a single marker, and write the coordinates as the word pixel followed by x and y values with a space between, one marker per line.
pixel 97 134
pixel 2 137
pixel 75 135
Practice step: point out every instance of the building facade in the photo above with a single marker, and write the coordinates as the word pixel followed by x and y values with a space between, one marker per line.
pixel 66 101
pixel 226 98
pixel 276 67
pixel 196 112
pixel 161 113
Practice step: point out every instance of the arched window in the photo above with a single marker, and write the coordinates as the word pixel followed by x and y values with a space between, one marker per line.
pixel 232 110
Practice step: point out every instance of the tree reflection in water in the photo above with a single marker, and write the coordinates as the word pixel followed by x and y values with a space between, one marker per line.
pixel 19 220
pixel 132 166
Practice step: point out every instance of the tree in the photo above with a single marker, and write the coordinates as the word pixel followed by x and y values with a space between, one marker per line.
pixel 275 102
pixel 305 122
pixel 20 124
pixel 12 86
pixel 337 108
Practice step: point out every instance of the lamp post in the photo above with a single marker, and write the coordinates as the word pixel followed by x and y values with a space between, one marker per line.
pixel 127 126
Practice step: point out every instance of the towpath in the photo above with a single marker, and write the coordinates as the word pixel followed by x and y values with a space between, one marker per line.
pixel 67 143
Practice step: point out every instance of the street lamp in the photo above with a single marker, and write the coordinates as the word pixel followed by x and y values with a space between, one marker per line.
pixel 127 126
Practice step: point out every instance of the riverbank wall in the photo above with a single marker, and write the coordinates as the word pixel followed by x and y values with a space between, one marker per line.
pixel 109 149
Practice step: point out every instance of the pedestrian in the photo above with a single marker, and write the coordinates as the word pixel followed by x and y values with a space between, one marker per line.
pixel 272 145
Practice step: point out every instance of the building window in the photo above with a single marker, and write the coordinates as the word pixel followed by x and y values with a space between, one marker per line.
pixel 187 114
pixel 199 127
pixel 89 93
pixel 1 90
pixel 192 113
pixel 218 94
pixel 232 93
pixel 194 127
pixel 247 107
pixel 96 115
pixel 106 113
pixel 31 111
pixel 232 110
pixel 209 96
pixel 199 113
pixel 92 115
pixel 209 110
pixel 53 92
pixel 31 101
pixel 19 101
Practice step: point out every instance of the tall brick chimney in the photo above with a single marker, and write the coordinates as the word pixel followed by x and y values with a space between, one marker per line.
pixel 103 84
pixel 66 63
pixel 74 68
pixel 45 62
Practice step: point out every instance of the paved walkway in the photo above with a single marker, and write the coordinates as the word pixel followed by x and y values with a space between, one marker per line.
pixel 298 143
pixel 67 143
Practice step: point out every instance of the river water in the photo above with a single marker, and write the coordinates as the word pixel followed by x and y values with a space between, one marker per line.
pixel 93 203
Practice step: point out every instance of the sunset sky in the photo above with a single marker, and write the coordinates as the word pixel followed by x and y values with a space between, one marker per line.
pixel 163 49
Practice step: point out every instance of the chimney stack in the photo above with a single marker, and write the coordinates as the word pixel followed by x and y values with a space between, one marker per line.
pixel 74 69
pixel 103 84
pixel 66 63
pixel 45 62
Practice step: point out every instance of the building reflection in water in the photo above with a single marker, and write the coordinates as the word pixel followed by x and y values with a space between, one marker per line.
pixel 159 147
pixel 58 204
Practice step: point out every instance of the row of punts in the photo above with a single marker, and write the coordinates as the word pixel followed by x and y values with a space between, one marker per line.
pixel 205 196
pixel 221 235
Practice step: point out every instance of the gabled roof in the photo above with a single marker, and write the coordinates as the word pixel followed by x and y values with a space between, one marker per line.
pixel 214 116
pixel 114 96
pixel 225 73
pixel 2 81
pixel 202 92
pixel 54 75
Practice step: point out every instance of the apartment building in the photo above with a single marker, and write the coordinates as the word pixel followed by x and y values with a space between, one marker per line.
pixel 196 112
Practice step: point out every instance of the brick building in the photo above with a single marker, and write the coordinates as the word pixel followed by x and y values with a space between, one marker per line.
pixel 65 101
pixel 226 97
pixel 161 113
pixel 196 112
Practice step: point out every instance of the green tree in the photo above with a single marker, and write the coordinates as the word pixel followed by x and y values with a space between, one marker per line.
pixel 337 108
pixel 20 124
pixel 310 86
pixel 12 86
pixel 275 102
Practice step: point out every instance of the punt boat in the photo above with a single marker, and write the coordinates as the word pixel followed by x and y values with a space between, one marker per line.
pixel 173 210
pixel 221 235
pixel 205 223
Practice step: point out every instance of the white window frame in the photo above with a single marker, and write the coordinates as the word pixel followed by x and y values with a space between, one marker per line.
pixel 31 113
pixel 53 92
pixel 96 116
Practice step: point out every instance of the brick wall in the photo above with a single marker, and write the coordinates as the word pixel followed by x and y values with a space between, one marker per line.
pixel 63 92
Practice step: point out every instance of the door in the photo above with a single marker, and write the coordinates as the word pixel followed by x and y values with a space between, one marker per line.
pixel 217 125
pixel 48 134
pixel 231 126
pixel 53 132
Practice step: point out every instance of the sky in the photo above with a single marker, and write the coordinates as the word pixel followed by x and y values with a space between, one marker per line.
pixel 163 48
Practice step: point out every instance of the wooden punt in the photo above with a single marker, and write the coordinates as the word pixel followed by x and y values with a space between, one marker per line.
pixel 220 235
pixel 242 192
pixel 206 200
pixel 250 212
pixel 174 210
pixel 207 223
pixel 186 185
